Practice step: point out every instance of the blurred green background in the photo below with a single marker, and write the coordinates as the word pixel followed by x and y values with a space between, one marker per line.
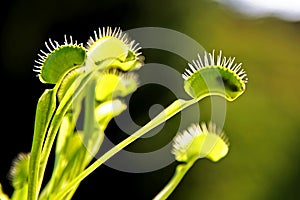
pixel 262 125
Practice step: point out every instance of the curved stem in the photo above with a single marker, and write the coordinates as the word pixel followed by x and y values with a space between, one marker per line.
pixel 181 170
pixel 169 112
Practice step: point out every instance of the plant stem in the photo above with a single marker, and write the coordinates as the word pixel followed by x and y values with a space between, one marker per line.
pixel 181 170
pixel 44 112
pixel 170 111
pixel 55 124
pixel 74 92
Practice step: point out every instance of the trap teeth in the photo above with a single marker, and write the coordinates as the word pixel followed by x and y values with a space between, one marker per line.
pixel 207 76
pixel 199 142
pixel 52 66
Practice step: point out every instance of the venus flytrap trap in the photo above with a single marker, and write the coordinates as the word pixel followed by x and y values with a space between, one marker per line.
pixel 114 45
pixel 223 78
pixel 192 144
pixel 91 81
pixel 116 83
pixel 18 176
pixel 61 58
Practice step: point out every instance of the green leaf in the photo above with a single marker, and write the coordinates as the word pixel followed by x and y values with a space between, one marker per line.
pixel 45 109
pixel 20 194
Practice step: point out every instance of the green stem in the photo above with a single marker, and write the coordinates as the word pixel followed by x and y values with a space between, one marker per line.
pixel 181 170
pixel 66 130
pixel 55 124
pixel 52 132
pixel 89 129
pixel 170 111
pixel 44 112
pixel 78 86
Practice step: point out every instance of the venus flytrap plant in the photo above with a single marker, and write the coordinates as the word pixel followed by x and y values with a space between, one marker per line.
pixel 190 145
pixel 52 70
pixel 91 80
pixel 125 58
pixel 205 77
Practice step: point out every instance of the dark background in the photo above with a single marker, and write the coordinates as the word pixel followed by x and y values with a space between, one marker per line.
pixel 263 124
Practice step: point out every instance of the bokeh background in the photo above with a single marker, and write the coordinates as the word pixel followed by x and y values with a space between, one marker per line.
pixel 262 125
